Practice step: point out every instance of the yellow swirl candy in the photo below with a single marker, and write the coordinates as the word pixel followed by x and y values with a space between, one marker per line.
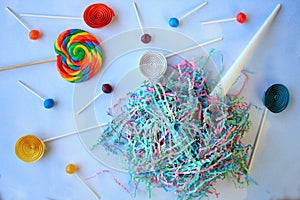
pixel 30 148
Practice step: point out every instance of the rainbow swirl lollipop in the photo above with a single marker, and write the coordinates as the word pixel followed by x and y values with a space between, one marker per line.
pixel 79 55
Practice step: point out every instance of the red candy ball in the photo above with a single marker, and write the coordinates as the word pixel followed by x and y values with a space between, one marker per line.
pixel 34 34
pixel 146 38
pixel 241 17
pixel 106 88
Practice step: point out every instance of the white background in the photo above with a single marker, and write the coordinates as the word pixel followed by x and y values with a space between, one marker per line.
pixel 276 59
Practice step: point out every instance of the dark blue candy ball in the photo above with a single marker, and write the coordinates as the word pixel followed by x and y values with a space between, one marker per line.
pixel 49 103
pixel 173 22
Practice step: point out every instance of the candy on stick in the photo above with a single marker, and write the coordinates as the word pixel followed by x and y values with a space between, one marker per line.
pixel 106 88
pixel 33 34
pixel 228 79
pixel 145 38
pixel 153 64
pixel 174 22
pixel 257 137
pixel 71 169
pixel 79 56
pixel 30 148
pixel 276 99
pixel 95 16
pixel 240 17
pixel 194 47
pixel 48 103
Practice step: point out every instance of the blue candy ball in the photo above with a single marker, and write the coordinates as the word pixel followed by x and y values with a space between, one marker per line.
pixel 173 22
pixel 49 103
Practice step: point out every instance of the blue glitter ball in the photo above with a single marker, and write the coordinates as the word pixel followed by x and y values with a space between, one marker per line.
pixel 49 103
pixel 173 22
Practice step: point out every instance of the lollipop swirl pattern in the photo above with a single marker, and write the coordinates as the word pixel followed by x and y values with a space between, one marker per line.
pixel 79 55
pixel 30 148
pixel 153 64
pixel 98 15
pixel 277 98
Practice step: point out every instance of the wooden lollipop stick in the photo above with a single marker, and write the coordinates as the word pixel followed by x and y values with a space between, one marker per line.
pixel 192 11
pixel 27 64
pixel 89 103
pixel 48 103
pixel 90 189
pixel 220 20
pixel 74 132
pixel 241 18
pixel 276 99
pixel 174 22
pixel 50 16
pixel 31 90
pixel 257 137
pixel 71 169
pixel 228 79
pixel 30 148
pixel 106 88
pixel 17 18
pixel 145 38
pixel 194 47
pixel 138 16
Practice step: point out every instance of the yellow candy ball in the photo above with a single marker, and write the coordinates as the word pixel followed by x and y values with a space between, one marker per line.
pixel 71 168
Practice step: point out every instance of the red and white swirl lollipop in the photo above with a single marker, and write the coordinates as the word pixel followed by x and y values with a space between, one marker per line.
pixel 95 16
